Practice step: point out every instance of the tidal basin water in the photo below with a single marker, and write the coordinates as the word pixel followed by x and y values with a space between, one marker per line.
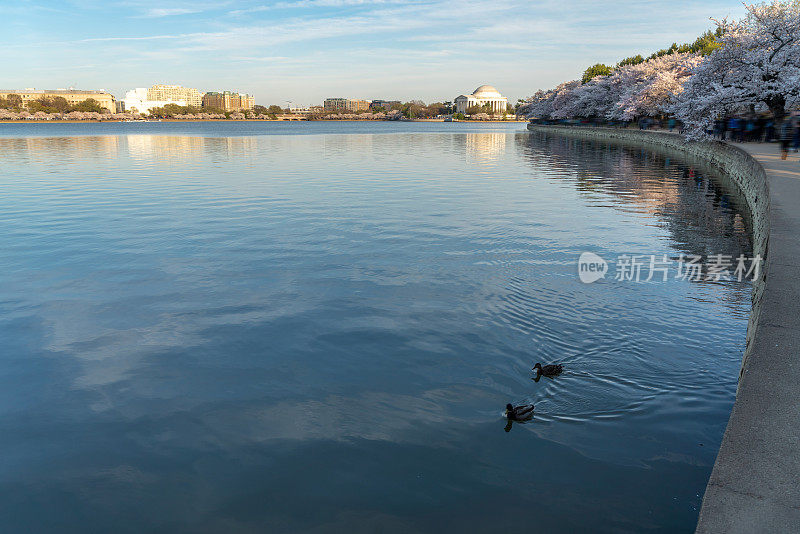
pixel 315 327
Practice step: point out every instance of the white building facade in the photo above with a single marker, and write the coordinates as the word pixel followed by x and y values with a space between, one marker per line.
pixel 139 101
pixel 175 93
pixel 485 94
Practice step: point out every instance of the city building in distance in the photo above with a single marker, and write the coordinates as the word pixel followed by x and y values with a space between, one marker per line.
pixel 72 96
pixel 336 104
pixel 137 101
pixel 300 110
pixel 228 101
pixel 345 104
pixel 142 100
pixel 160 92
pixel 377 105
pixel 485 94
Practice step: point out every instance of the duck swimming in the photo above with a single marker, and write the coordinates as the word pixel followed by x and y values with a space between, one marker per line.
pixel 523 412
pixel 549 371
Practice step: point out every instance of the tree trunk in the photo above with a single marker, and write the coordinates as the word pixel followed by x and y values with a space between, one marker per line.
pixel 777 106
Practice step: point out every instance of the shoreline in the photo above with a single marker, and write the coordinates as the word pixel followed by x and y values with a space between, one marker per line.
pixel 93 121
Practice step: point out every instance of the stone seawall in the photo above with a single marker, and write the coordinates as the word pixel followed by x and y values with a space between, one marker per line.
pixel 754 484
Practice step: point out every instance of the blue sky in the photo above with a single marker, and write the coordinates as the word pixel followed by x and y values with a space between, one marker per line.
pixel 305 50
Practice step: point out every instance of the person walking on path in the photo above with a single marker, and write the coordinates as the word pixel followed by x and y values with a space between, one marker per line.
pixel 795 131
pixel 785 136
pixel 769 131
pixel 735 125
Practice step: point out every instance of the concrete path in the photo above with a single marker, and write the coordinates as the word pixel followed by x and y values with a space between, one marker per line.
pixel 755 484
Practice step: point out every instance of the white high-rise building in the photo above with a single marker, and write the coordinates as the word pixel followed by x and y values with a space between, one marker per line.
pixel 162 92
pixel 142 100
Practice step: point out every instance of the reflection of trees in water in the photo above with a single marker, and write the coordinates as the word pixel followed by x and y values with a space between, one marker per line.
pixel 189 146
pixel 104 146
pixel 164 146
pixel 138 146
pixel 700 216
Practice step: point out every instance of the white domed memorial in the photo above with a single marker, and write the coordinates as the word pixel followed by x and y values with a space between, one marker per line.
pixel 485 94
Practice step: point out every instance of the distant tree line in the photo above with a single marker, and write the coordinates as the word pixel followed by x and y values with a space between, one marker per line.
pixel 413 109
pixel 57 108
pixel 51 104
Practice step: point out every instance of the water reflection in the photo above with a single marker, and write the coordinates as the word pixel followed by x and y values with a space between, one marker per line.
pixel 478 147
pixel 485 147
pixel 242 332
pixel 68 148
pixel 701 217
pixel 163 147
pixel 340 145
pixel 510 425
pixel 189 147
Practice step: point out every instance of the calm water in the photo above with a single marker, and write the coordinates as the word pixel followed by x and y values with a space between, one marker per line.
pixel 315 328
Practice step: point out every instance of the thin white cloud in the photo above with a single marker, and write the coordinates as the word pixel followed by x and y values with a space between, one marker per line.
pixel 337 3
pixel 145 38
pixel 394 19
pixel 267 59
pixel 159 12
pixel 304 4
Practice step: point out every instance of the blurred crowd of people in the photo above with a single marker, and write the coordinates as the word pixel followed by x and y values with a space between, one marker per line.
pixel 761 129
pixel 737 129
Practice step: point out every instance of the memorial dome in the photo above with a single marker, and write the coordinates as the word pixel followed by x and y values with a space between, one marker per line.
pixel 486 91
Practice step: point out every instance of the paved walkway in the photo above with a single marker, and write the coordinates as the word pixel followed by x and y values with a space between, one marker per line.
pixel 755 484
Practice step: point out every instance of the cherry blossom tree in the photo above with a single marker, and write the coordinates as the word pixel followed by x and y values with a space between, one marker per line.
pixel 547 104
pixel 636 90
pixel 757 67
pixel 538 106
pixel 564 98
pixel 650 88
pixel 592 99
